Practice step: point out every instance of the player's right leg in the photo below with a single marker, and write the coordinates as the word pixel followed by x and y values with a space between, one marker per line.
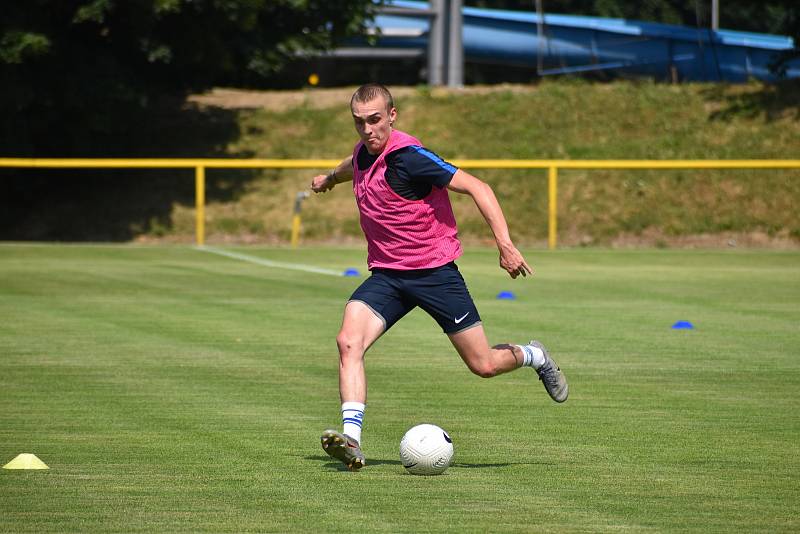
pixel 360 328
pixel 344 448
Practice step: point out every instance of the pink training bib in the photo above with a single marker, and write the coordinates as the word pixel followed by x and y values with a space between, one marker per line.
pixel 403 234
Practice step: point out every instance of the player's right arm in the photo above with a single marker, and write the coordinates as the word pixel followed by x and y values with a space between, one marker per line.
pixel 343 172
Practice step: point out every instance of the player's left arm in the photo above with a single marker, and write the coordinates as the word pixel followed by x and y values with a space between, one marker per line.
pixel 510 258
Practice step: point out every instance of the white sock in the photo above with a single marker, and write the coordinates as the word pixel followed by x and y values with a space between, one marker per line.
pixel 352 417
pixel 531 356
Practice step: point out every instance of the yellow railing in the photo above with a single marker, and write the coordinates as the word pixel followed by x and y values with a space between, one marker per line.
pixel 552 167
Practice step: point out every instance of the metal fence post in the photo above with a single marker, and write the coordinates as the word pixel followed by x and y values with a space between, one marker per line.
pixel 200 205
pixel 436 44
pixel 552 219
pixel 298 207
pixel 455 46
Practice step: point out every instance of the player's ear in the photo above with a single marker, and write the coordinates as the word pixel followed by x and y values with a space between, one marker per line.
pixel 392 115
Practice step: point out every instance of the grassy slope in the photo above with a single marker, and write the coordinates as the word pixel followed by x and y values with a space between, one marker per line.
pixel 171 390
pixel 571 120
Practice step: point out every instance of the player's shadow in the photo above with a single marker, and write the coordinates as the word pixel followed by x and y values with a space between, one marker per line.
pixel 328 463
pixel 338 466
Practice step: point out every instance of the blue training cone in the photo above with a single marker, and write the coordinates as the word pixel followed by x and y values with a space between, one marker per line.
pixel 506 295
pixel 350 272
pixel 683 325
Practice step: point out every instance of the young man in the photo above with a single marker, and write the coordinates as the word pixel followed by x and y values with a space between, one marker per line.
pixel 401 193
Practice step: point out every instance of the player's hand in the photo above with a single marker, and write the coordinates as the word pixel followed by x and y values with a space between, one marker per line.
pixel 512 261
pixel 322 183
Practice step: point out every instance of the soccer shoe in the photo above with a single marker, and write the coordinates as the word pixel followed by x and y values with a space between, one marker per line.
pixel 551 376
pixel 343 448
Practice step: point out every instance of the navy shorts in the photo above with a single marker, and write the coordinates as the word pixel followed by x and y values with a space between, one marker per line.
pixel 440 291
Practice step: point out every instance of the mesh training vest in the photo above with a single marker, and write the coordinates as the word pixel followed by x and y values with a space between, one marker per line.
pixel 403 234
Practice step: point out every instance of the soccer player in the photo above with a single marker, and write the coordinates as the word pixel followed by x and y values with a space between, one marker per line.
pixel 401 190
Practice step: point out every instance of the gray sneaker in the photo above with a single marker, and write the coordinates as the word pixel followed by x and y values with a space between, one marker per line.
pixel 343 448
pixel 551 376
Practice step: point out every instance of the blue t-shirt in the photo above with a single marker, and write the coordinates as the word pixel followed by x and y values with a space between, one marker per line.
pixel 411 171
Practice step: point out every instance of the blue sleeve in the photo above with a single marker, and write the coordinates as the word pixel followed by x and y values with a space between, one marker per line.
pixel 420 165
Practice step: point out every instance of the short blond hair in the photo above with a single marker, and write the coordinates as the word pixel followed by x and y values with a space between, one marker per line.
pixel 371 91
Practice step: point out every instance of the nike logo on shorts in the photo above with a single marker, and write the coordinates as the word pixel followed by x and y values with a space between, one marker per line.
pixel 461 318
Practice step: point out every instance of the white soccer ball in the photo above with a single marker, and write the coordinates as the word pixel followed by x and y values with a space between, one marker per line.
pixel 426 450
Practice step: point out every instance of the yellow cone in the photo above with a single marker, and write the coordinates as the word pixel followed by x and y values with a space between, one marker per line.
pixel 26 461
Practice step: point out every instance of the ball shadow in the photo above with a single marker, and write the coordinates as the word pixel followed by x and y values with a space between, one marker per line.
pixel 333 464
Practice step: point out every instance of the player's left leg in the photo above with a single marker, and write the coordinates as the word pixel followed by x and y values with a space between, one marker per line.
pixel 487 362
pixel 442 293
pixel 483 360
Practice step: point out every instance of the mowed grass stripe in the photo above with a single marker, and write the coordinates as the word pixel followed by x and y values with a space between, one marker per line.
pixel 175 391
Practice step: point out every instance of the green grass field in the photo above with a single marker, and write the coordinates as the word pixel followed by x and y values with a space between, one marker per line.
pixel 171 389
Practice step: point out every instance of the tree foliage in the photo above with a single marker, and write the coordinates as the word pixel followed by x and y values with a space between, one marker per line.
pixel 66 64
pixel 76 73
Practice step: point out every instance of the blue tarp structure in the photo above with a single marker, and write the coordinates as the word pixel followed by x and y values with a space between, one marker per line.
pixel 578 44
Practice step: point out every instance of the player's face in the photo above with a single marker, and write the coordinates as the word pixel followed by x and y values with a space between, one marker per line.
pixel 373 123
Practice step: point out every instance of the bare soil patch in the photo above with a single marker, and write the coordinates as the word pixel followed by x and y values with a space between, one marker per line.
pixel 318 98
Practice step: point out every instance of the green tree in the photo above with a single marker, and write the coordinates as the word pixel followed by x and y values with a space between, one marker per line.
pixel 74 70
